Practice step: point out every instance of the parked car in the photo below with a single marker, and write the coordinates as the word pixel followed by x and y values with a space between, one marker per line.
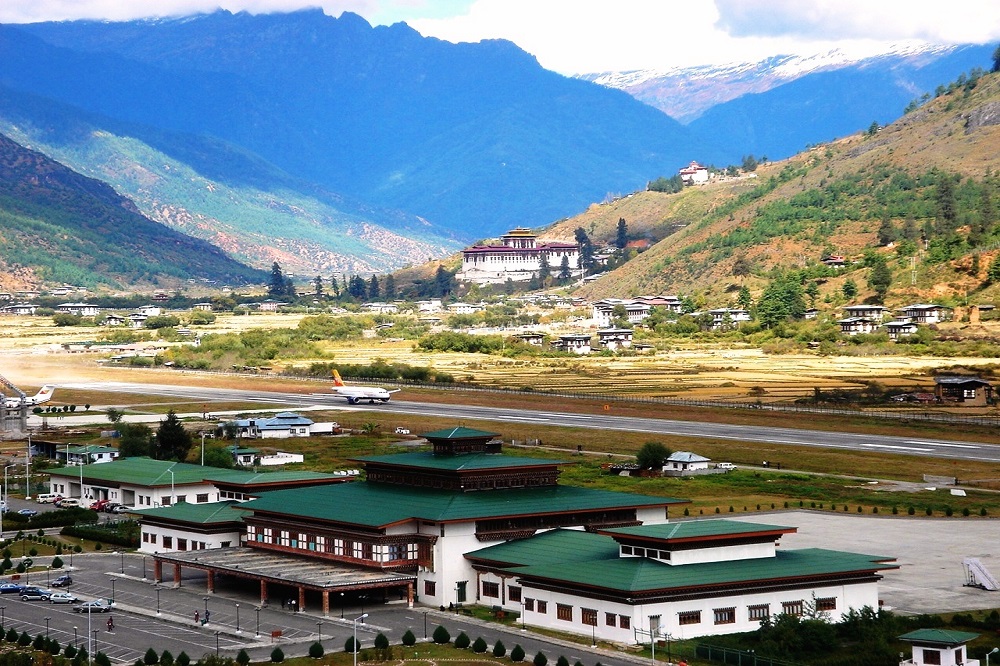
pixel 122 509
pixel 726 466
pixel 68 503
pixel 95 606
pixel 62 598
pixel 28 512
pixel 99 505
pixel 10 588
pixel 47 498
pixel 110 507
pixel 402 431
pixel 63 581
pixel 32 593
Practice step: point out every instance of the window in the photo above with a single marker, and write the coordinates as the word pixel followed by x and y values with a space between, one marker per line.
pixel 758 612
pixel 201 498
pixel 792 608
pixel 514 593
pixel 626 550
pixel 610 619
pixel 182 498
pixel 624 621
pixel 460 594
pixel 725 615
pixel 564 612
pixel 529 604
pixel 491 590
pixel 826 604
pixel 430 588
pixel 588 616
pixel 225 544
pixel 689 617
pixel 145 537
pixel 542 607
pixel 932 657
pixel 168 542
pixel 165 501
pixel 182 544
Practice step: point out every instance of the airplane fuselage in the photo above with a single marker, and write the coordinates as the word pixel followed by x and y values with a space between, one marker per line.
pixel 355 394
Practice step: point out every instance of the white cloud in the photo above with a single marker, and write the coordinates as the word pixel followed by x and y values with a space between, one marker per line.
pixel 577 36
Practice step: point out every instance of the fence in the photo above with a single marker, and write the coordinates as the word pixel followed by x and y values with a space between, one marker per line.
pixel 736 657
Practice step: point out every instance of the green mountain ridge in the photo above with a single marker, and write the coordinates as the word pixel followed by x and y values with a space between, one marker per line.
pixel 211 190
pixel 58 226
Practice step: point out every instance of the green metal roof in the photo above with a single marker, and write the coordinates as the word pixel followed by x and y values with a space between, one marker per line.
pixel 459 433
pixel 149 472
pixel 696 529
pixel 201 514
pixel 380 504
pixel 939 636
pixel 635 575
pixel 551 547
pixel 458 461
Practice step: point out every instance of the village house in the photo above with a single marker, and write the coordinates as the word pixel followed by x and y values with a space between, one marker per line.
pixel 518 258
pixel 282 425
pixel 464 308
pixel 204 307
pixel 969 391
pixel 681 463
pixel 113 320
pixel 858 325
pixel 270 305
pixel 923 313
pixel 532 338
pixel 899 328
pixel 149 310
pixel 726 318
pixel 938 647
pixel 694 174
pixel 20 309
pixel 381 308
pixel 834 260
pixel 85 455
pixel 875 312
pixel 575 343
pixel 81 309
pixel 603 311
pixel 614 338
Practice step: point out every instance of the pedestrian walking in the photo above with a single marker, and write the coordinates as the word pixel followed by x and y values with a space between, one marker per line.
pixel 208 614
pixel 196 617
pixel 111 623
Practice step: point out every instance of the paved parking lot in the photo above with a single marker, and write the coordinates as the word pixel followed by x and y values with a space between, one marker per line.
pixel 929 551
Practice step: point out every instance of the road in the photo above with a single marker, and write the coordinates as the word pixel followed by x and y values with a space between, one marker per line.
pixel 932 448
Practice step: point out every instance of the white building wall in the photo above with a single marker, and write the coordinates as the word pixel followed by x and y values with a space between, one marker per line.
pixel 152 541
pixel 723 554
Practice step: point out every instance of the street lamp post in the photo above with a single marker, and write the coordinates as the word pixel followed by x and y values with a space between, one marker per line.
pixel 47 618
pixel 257 632
pixel 112 590
pixel 27 470
pixel 206 609
pixel 47 568
pixel 425 625
pixel 522 615
pixel 3 620
pixel 319 632
pixel 76 636
pixel 237 618
pixel 217 643
pixel 122 553
pixel 157 600
pixel 355 646
pixel 342 603
pixel 93 632
pixel 144 567
pixel 993 651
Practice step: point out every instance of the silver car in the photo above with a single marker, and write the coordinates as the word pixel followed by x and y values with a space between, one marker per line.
pixel 62 598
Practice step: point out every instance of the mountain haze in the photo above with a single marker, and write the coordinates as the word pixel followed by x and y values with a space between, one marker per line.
pixel 474 137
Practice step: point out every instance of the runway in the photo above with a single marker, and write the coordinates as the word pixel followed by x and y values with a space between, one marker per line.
pixel 932 448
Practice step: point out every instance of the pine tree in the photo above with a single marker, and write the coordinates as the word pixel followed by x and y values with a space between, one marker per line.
pixel 586 249
pixel 621 234
pixel 443 281
pixel 880 279
pixel 544 269
pixel 390 287
pixel 373 288
pixel 276 285
pixel 564 273
pixel 334 286
pixel 318 285
pixel 172 441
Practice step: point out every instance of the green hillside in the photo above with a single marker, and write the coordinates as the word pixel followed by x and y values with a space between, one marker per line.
pixel 921 194
pixel 57 226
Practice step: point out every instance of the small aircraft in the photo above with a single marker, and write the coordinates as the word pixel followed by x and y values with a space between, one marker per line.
pixel 44 395
pixel 355 394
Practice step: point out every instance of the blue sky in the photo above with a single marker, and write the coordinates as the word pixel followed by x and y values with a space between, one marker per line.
pixel 580 36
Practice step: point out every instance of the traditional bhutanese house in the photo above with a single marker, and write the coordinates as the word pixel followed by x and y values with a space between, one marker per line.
pixel 938 647
pixel 723 318
pixel 603 310
pixel 876 312
pixel 686 579
pixel 694 174
pixel 857 325
pixel 811 313
pixel 282 425
pixel 615 338
pixel 671 303
pixel 970 391
pixel 923 313
pixel 407 526
pixel 575 343
pixel 899 328
pixel 85 455
pixel 534 339
pixel 113 320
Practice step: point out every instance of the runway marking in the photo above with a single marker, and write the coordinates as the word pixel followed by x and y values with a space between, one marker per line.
pixel 893 446
pixel 932 443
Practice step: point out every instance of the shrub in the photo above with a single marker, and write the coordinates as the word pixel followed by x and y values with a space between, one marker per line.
pixel 242 658
pixel 39 642
pixel 982 511
pixel 277 656
pixel 499 649
pixel 166 659
pixel 183 659
pixel 316 650
pixel 102 659
pixel 381 642
pixel 540 659
pixel 441 635
pixel 462 641
pixel 910 511
pixel 965 511
pixel 929 511
pixel 351 645
pixel 562 661
pixel 57 562
pixel 11 636
pixel 150 657
pixel 479 646
pixel 70 651
pixel 409 639
pixel 53 647
pixel 516 655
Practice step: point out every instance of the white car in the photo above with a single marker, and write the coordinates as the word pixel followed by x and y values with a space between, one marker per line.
pixel 62 598
pixel 726 466
pixel 69 503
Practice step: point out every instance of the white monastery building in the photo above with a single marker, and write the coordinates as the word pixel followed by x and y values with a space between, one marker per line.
pixel 518 258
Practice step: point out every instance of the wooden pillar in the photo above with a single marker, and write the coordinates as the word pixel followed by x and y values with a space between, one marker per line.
pixel 409 594
pixel 177 575
pixel 210 581
pixel 302 599
pixel 326 603
pixel 263 591
pixel 157 571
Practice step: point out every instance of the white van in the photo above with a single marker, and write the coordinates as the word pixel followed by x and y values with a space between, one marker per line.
pixel 47 498
pixel 728 466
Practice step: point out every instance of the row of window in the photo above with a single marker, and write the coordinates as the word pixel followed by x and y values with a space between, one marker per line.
pixel 359 550
pixel 230 495
pixel 200 498
pixel 646 552
pixel 182 544
pixel 756 612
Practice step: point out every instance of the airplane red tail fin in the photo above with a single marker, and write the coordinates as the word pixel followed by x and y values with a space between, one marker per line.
pixel 337 381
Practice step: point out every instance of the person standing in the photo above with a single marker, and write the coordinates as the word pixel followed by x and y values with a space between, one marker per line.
pixel 111 623
pixel 196 617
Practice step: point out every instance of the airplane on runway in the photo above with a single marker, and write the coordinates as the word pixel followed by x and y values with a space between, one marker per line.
pixel 44 395
pixel 355 394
